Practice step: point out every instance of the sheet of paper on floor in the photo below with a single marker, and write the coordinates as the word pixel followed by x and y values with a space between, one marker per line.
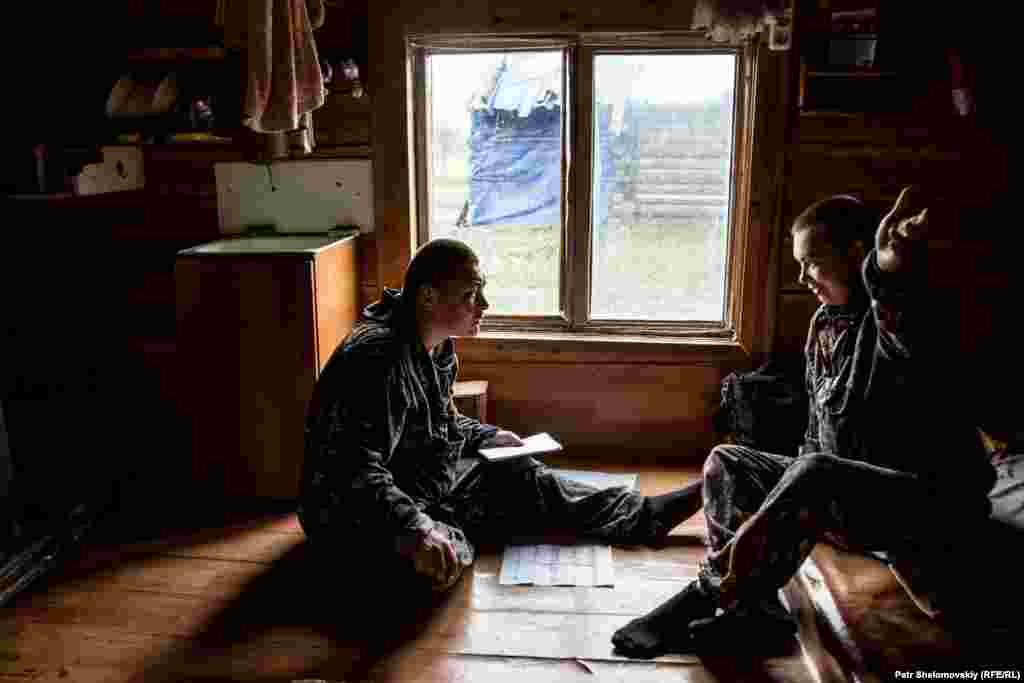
pixel 584 564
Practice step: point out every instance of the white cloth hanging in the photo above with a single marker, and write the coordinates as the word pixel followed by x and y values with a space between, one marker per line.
pixel 735 21
pixel 283 81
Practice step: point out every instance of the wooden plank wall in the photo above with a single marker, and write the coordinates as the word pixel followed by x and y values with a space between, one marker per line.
pixel 972 252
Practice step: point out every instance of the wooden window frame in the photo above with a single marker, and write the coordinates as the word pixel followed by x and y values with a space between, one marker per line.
pixel 741 295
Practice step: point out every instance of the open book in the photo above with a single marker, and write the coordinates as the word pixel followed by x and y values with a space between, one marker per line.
pixel 537 444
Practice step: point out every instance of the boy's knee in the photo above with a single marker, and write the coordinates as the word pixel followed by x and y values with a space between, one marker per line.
pixel 723 459
pixel 714 464
pixel 712 467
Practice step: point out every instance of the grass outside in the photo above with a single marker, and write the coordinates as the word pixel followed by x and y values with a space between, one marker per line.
pixel 668 269
pixel 644 271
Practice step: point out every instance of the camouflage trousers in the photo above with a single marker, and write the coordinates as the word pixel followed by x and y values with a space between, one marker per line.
pixel 492 504
pixel 765 512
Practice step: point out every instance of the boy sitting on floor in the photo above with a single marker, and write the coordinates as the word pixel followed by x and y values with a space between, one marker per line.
pixel 391 474
pixel 887 464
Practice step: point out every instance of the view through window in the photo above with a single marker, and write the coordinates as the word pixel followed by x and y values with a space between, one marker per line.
pixel 661 176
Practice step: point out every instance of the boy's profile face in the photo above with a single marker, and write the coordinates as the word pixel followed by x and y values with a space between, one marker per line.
pixel 461 302
pixel 825 270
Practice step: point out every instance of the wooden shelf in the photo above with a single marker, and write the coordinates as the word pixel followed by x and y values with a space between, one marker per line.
pixel 852 34
pixel 177 54
pixel 831 113
pixel 863 73
pixel 343 151
pixel 217 151
pixel 84 200
pixel 41 196
pixel 891 129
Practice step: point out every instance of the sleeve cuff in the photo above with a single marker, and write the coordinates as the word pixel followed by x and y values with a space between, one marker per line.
pixel 422 524
pixel 486 432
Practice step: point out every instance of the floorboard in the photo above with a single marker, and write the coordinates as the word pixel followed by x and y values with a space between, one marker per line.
pixel 212 596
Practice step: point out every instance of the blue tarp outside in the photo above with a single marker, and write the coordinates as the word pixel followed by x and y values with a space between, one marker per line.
pixel 515 167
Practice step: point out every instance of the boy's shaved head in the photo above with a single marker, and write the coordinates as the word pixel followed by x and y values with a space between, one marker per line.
pixel 443 293
pixel 830 239
pixel 841 220
pixel 434 264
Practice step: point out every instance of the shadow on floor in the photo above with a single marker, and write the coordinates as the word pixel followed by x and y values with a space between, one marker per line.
pixel 304 617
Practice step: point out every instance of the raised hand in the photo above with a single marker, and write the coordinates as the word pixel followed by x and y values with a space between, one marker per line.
pixel 902 231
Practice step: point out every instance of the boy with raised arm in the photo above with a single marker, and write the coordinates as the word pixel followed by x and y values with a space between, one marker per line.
pixel 888 463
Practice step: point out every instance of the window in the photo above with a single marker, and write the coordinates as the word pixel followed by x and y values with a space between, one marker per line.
pixel 597 181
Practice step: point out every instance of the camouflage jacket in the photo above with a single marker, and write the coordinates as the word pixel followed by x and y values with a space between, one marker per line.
pixel 879 393
pixel 383 437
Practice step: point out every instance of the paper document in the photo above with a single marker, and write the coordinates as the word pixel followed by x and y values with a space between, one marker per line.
pixel 557 565
pixel 532 445
pixel 600 480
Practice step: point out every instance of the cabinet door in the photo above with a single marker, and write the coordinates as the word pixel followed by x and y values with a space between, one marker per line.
pixel 337 298
pixel 246 333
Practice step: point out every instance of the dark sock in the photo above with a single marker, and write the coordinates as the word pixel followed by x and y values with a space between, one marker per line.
pixel 754 628
pixel 670 510
pixel 664 629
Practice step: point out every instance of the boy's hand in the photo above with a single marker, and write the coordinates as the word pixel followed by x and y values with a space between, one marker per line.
pixel 432 555
pixel 902 230
pixel 502 438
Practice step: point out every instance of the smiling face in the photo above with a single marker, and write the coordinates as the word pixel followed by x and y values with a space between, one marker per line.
pixel 460 302
pixel 825 270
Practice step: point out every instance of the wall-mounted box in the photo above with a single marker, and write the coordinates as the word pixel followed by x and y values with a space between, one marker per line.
pixel 300 196
pixel 121 169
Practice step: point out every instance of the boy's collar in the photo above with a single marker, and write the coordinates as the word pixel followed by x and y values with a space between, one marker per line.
pixel 855 306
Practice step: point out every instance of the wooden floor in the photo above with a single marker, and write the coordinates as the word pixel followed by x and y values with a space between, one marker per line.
pixel 880 630
pixel 217 596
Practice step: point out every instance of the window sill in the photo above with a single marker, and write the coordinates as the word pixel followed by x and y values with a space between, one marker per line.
pixel 591 348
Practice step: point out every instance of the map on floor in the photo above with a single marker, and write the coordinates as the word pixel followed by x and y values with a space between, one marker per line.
pixel 573 564
pixel 583 564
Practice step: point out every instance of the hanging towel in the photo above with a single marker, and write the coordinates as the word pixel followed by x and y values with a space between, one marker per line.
pixel 281 67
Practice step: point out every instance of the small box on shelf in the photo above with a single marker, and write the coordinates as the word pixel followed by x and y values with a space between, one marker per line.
pixel 177 54
pixel 121 169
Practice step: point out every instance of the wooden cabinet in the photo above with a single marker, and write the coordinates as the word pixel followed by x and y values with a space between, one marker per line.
pixel 257 320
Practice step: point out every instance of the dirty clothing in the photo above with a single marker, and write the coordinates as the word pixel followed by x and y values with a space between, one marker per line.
pixel 886 464
pixel 879 394
pixel 387 454
pixel 793 503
